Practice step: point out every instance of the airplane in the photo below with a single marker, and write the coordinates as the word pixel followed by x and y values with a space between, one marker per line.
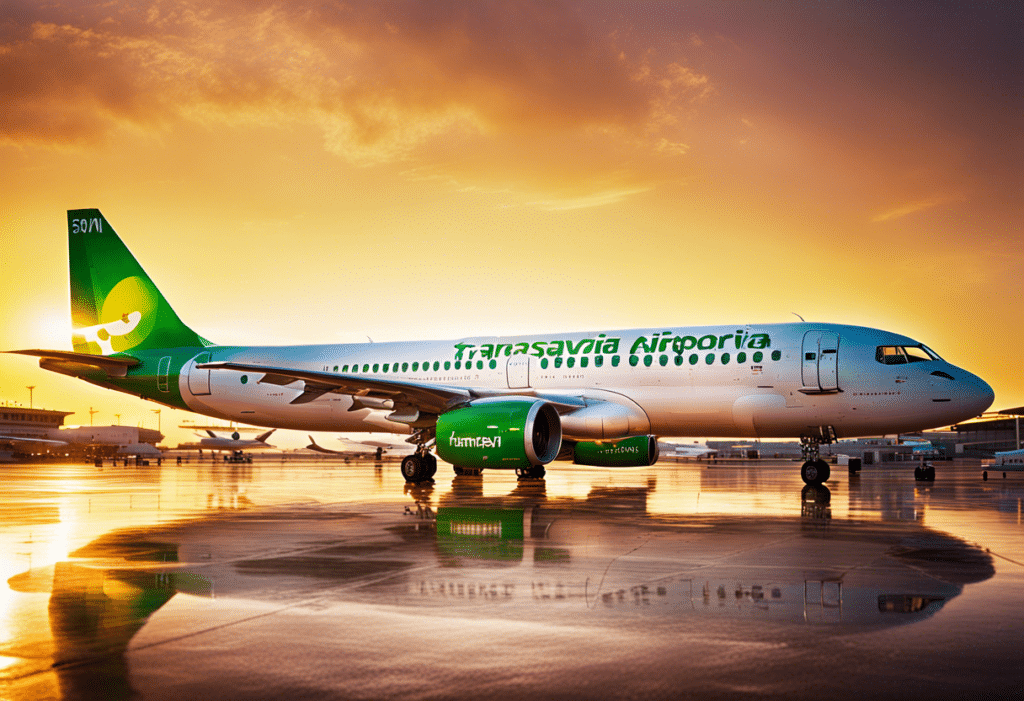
pixel 234 442
pixel 128 440
pixel 363 449
pixel 512 402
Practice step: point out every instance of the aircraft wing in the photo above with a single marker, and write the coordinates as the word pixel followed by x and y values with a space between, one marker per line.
pixel 23 439
pixel 427 398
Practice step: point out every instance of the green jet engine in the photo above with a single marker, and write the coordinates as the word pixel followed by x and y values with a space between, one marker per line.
pixel 511 434
pixel 635 451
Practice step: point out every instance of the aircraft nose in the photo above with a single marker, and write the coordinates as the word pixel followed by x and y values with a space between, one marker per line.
pixel 978 395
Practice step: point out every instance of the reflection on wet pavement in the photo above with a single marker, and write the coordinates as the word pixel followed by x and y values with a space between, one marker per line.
pixel 266 581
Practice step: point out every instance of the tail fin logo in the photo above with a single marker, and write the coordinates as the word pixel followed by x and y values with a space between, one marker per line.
pixel 127 316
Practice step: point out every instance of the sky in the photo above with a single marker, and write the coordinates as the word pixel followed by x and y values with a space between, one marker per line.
pixel 292 172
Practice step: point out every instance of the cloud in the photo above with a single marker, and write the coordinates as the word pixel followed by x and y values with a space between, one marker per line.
pixel 913 207
pixel 380 80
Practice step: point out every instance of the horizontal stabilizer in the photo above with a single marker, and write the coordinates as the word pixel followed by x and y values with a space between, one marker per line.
pixel 113 366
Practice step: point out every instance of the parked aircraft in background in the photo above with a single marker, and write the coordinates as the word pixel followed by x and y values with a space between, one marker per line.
pixel 108 440
pixel 600 398
pixel 233 443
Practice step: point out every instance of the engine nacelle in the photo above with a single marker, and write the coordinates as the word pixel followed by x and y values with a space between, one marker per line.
pixel 635 451
pixel 508 434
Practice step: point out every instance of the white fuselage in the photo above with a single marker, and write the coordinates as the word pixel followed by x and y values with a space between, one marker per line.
pixel 731 381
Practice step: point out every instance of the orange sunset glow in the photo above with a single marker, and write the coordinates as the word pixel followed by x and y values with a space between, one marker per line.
pixel 330 171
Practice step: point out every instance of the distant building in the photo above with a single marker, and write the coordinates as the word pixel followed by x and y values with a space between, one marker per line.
pixel 30 423
pixel 35 432
pixel 984 437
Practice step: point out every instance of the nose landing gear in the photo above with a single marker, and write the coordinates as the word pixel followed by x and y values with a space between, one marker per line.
pixel 816 471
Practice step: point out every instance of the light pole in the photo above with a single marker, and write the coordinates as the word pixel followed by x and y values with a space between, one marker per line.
pixel 118 419
pixel 30 388
pixel 91 412
pixel 157 412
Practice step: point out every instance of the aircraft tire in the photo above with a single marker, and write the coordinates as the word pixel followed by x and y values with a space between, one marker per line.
pixel 413 469
pixel 815 472
pixel 430 463
pixel 534 472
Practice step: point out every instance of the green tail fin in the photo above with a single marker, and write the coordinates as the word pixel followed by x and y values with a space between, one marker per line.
pixel 115 307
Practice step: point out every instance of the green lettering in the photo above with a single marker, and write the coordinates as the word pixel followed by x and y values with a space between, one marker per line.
pixel 642 343
pixel 573 350
pixel 459 348
pixel 521 349
pixel 611 346
pixel 556 347
pixel 759 340
pixel 487 351
pixel 707 342
pixel 539 347
pixel 721 341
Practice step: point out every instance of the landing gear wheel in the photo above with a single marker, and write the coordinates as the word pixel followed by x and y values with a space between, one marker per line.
pixel 430 465
pixel 534 471
pixel 815 472
pixel 413 468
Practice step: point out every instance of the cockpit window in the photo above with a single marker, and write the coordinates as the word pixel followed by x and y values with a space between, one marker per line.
pixel 901 355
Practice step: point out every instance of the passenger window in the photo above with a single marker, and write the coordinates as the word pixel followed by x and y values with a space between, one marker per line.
pixel 633 360
pixel 415 367
pixel 479 365
pixel 335 368
pixel 709 358
pixel 758 356
pixel 366 367
pixel 663 360
pixel 725 358
pixel 558 362
pixel 405 367
pixel 648 360
pixel 458 364
pixel 376 366
pixel 584 361
pixel 570 362
pixel 493 364
pixel 436 365
pixel 679 360
pixel 447 365
pixel 693 359
pixel 544 363
pixel 777 355
pixel 741 358
pixel 598 360
pixel 386 366
pixel 810 356
pixel 345 369
pixel 615 361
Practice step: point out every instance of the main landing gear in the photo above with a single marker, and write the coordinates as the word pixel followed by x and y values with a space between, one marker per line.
pixel 532 472
pixel 421 465
pixel 815 470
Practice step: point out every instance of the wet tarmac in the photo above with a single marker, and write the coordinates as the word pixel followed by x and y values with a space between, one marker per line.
pixel 322 580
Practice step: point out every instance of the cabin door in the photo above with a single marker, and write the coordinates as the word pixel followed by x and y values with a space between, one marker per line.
pixel 820 364
pixel 519 371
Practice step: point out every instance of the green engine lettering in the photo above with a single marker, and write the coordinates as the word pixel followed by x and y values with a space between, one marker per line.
pixel 635 451
pixel 511 434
